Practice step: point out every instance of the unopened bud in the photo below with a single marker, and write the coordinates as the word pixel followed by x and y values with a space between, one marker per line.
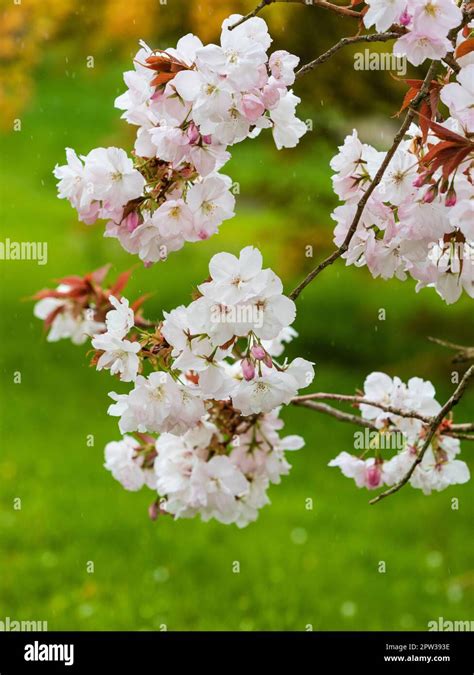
pixel 268 360
pixel 153 511
pixel 373 476
pixel 193 133
pixel 405 18
pixel 430 194
pixel 132 221
pixel 258 352
pixel 248 369
pixel 422 179
pixel 451 197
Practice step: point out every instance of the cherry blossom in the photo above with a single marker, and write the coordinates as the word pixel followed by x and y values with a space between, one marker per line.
pixel 189 103
pixel 126 465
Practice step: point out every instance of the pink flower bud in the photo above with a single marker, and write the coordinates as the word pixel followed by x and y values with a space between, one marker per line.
pixel 248 369
pixel 430 194
pixel 193 133
pixel 405 18
pixel 252 107
pixel 270 95
pixel 268 360
pixel 258 352
pixel 207 139
pixel 262 76
pixel 374 476
pixel 132 221
pixel 451 198
pixel 421 179
pixel 153 511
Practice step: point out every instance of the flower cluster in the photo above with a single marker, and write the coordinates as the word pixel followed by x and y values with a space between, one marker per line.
pixel 80 307
pixel 189 103
pixel 438 468
pixel 220 468
pixel 207 379
pixel 221 347
pixel 425 24
pixel 419 219
pixel 213 395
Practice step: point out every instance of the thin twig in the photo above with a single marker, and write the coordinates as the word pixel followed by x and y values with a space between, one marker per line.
pixel 310 401
pixel 338 414
pixel 463 353
pixel 376 180
pixel 358 400
pixel 343 11
pixel 343 42
pixel 437 420
pixel 464 426
pixel 253 13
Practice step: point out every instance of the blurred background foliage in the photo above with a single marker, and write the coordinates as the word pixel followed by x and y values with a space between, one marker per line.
pixel 110 29
pixel 299 567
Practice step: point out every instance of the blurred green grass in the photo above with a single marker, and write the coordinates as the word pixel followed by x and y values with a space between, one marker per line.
pixel 298 567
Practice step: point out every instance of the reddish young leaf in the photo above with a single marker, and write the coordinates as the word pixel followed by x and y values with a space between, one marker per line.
pixel 122 281
pixel 464 48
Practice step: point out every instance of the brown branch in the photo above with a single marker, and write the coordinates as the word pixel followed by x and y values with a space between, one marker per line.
pixel 357 400
pixel 343 11
pixel 253 13
pixel 452 63
pixel 333 412
pixel 464 426
pixel 437 420
pixel 310 401
pixel 463 353
pixel 376 180
pixel 343 42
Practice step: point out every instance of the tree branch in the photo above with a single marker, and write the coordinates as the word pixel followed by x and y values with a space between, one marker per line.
pixel 343 42
pixel 338 9
pixel 377 178
pixel 309 401
pixel 437 420
pixel 333 412
pixel 253 13
pixel 463 353
pixel 357 400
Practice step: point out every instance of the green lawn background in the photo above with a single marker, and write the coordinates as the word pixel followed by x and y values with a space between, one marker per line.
pixel 298 567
